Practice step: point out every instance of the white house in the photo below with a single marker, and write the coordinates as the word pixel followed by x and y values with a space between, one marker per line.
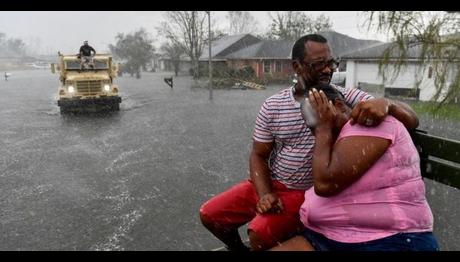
pixel 362 68
pixel 165 63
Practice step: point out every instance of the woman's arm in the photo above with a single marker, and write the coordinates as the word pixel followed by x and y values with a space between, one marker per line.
pixel 335 167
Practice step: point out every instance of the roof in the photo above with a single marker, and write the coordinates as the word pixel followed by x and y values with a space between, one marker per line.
pixel 276 49
pixel 281 49
pixel 342 44
pixel 228 44
pixel 247 46
pixel 376 51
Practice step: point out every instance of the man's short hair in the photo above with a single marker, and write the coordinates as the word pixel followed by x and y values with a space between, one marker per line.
pixel 298 50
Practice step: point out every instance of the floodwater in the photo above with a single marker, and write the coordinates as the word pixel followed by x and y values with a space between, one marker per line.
pixel 133 179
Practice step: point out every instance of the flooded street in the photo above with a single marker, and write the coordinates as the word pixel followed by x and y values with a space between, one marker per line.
pixel 135 179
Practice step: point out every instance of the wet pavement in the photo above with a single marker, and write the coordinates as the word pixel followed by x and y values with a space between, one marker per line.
pixel 133 179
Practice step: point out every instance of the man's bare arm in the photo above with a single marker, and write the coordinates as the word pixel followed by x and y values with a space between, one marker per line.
pixel 258 166
pixel 377 109
pixel 260 177
pixel 404 113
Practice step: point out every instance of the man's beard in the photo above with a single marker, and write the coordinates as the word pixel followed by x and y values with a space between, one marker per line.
pixel 325 79
pixel 320 79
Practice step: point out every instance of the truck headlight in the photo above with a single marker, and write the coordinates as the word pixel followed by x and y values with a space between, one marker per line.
pixel 71 89
pixel 106 87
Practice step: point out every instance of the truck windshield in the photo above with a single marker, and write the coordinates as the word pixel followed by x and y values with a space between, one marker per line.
pixel 75 64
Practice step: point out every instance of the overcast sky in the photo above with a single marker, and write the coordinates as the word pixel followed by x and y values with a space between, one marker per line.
pixel 65 31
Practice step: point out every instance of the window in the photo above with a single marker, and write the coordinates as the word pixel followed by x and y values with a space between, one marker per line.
pixel 100 64
pixel 266 66
pixel 72 64
pixel 278 66
pixel 76 64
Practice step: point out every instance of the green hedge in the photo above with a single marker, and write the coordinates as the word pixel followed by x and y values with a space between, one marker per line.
pixel 222 70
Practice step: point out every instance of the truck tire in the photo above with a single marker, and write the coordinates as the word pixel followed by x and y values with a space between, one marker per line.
pixel 63 110
pixel 116 107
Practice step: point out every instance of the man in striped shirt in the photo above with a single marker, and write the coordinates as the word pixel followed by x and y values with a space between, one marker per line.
pixel 281 157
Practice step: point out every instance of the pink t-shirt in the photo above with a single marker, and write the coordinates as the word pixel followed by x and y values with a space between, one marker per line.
pixel 388 199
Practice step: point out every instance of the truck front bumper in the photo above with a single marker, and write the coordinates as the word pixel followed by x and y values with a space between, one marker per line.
pixel 74 102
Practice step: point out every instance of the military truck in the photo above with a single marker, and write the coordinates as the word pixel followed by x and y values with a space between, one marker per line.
pixel 86 85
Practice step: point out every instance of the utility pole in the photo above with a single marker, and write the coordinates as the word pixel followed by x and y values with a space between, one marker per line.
pixel 210 62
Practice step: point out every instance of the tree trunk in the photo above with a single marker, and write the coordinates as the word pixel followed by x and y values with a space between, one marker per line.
pixel 138 72
pixel 194 46
pixel 195 68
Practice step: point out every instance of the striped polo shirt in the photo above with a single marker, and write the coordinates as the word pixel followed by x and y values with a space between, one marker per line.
pixel 280 120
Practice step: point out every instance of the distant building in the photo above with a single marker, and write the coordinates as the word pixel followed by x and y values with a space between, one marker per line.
pixel 362 70
pixel 269 58
pixel 165 63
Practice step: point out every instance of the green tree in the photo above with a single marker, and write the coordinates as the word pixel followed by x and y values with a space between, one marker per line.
pixel 136 49
pixel 435 38
pixel 294 24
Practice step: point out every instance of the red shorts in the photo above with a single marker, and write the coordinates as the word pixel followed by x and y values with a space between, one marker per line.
pixel 237 206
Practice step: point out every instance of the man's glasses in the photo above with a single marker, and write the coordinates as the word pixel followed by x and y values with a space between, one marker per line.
pixel 320 65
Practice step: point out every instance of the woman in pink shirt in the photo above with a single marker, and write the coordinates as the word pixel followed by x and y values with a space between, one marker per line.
pixel 368 193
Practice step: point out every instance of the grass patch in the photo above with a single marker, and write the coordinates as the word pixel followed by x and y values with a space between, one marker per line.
pixel 448 111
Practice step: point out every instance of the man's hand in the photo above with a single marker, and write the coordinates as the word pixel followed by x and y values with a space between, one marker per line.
pixel 370 112
pixel 269 202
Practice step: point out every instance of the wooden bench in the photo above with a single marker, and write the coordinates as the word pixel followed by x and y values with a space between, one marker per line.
pixel 439 158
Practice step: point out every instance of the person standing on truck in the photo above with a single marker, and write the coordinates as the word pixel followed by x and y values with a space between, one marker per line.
pixel 86 54
pixel 280 163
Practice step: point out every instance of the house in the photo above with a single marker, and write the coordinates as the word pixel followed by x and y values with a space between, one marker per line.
pixel 270 59
pixel 165 63
pixel 225 46
pixel 363 66
pixel 219 49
